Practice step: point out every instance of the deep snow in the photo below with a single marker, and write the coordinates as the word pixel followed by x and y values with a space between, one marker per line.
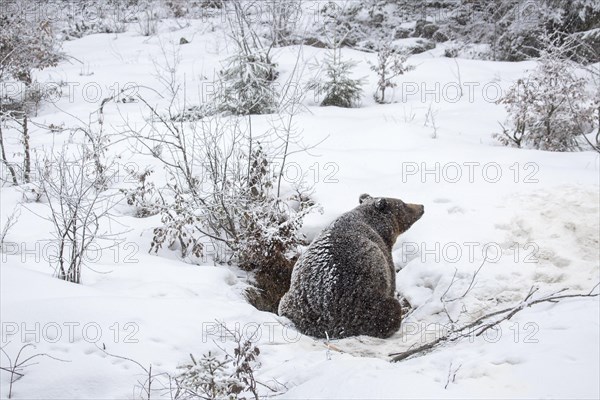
pixel 157 309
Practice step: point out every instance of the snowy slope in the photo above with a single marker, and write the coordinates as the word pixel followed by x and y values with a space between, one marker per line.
pixel 536 213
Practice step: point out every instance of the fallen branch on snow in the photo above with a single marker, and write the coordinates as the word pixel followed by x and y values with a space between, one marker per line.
pixel 481 324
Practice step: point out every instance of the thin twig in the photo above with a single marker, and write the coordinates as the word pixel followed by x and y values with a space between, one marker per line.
pixel 509 313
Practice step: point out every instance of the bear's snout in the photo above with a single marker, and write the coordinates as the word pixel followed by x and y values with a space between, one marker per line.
pixel 417 209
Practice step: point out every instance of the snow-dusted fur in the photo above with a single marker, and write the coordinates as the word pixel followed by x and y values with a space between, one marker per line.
pixel 344 284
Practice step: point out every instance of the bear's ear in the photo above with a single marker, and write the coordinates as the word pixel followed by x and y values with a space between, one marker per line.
pixel 381 204
pixel 364 197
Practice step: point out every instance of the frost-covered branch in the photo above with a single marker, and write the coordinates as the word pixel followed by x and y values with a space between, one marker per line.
pixel 490 320
pixel 16 368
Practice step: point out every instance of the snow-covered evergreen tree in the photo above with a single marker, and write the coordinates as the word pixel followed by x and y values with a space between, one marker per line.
pixel 338 88
pixel 246 85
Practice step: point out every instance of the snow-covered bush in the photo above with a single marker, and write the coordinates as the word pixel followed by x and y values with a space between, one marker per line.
pixel 223 189
pixel 343 22
pixel 178 229
pixel 269 229
pixel 177 8
pixel 206 378
pixel 26 43
pixel 514 29
pixel 223 376
pixel 143 197
pixel 596 115
pixel 391 63
pixel 193 113
pixel 269 233
pixel 260 230
pixel 548 108
pixel 148 18
pixel 282 18
pixel 113 16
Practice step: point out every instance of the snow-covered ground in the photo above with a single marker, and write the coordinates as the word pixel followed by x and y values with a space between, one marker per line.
pixel 535 214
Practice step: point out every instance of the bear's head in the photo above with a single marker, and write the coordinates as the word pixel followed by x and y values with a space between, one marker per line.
pixel 399 215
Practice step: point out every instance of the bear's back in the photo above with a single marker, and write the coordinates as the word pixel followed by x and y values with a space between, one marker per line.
pixel 347 255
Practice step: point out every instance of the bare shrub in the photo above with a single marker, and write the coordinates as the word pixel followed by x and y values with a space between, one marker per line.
pixel 282 19
pixel 224 189
pixel 547 109
pixel 391 63
pixel 148 18
pixel 77 209
pixel 16 121
pixel 16 367
pixel 11 221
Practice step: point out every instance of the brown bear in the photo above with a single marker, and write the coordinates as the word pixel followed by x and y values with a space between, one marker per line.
pixel 344 284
